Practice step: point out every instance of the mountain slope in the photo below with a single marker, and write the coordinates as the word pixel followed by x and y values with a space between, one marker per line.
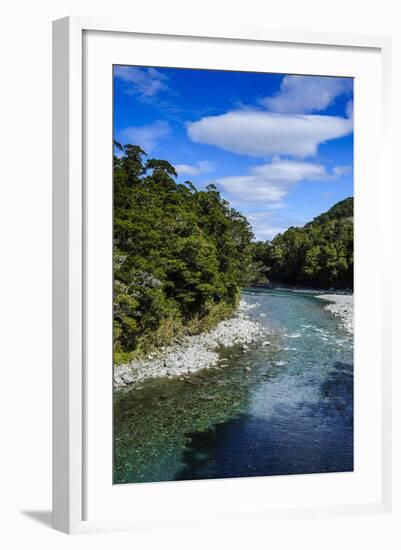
pixel 320 254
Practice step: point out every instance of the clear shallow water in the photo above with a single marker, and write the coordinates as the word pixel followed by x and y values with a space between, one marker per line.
pixel 286 408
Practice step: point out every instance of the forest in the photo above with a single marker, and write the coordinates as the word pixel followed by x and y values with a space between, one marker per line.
pixel 181 255
pixel 318 255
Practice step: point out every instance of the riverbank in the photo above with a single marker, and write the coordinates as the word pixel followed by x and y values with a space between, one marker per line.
pixel 342 306
pixel 261 410
pixel 193 352
pixel 305 289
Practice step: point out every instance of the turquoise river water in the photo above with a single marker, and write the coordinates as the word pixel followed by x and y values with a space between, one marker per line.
pixel 285 408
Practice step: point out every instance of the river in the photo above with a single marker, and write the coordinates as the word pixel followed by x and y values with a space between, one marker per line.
pixel 280 408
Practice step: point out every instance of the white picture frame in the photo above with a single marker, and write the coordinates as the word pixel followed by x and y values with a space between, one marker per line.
pixel 70 258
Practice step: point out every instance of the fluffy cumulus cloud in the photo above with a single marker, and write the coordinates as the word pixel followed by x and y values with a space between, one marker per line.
pixel 307 94
pixel 146 137
pixel 271 182
pixel 145 83
pixel 261 133
pixel 200 167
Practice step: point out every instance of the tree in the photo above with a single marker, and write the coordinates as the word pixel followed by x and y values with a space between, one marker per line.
pixel 180 255
pixel 320 254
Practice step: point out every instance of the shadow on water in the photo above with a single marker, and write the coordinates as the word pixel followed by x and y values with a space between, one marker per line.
pixel 338 389
pixel 153 421
pixel 314 438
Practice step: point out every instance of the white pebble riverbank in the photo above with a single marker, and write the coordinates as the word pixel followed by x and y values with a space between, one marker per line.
pixel 194 352
pixel 341 305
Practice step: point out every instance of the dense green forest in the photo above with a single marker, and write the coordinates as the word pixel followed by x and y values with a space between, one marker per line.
pixel 320 254
pixel 180 255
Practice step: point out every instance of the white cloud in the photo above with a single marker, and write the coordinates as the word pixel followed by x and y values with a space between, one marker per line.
pixel 200 167
pixel 144 82
pixel 259 133
pixel 270 183
pixel 266 186
pixel 266 224
pixel 146 137
pixel 306 94
pixel 263 225
pixel 267 232
pixel 349 109
pixel 186 169
pixel 339 171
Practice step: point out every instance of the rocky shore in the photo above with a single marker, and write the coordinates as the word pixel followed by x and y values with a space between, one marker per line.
pixel 193 352
pixel 341 305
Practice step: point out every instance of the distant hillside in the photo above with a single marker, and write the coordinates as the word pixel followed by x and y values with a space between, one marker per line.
pixel 320 254
pixel 342 210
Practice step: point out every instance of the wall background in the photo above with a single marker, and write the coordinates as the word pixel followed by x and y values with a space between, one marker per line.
pixel 25 217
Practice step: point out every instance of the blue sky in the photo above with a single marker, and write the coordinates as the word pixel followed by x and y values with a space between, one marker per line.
pixel 278 147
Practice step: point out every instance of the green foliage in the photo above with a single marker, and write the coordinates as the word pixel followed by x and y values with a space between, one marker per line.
pixel 340 211
pixel 320 254
pixel 259 271
pixel 180 255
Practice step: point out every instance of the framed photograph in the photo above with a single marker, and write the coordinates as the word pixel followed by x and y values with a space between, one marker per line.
pixel 220 326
